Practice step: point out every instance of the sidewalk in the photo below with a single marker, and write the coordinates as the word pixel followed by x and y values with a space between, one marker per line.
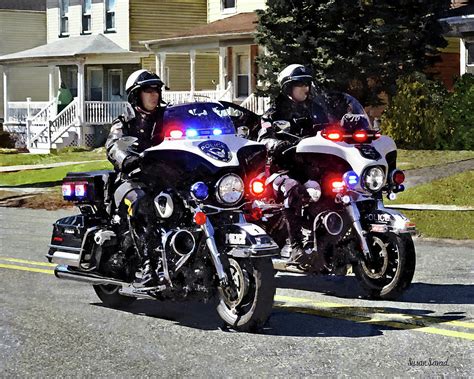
pixel 43 166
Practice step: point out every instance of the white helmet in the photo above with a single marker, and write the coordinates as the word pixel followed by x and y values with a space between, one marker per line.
pixel 139 79
pixel 292 74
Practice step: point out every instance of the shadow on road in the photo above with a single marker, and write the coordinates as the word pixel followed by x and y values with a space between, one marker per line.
pixel 348 287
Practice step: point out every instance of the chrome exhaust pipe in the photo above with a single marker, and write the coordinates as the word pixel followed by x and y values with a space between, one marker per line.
pixel 63 272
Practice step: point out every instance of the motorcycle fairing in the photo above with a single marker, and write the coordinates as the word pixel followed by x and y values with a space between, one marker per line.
pixel 347 152
pixel 230 143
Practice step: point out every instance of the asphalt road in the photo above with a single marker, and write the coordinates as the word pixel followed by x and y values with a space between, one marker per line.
pixel 319 326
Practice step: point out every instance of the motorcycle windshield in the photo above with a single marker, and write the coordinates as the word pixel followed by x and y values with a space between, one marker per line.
pixel 196 120
pixel 345 110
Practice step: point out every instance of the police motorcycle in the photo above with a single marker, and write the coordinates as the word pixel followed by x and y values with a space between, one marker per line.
pixel 347 167
pixel 198 177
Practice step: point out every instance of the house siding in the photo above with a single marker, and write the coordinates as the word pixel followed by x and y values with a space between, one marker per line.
pixel 152 19
pixel 22 30
pixel 215 9
pixel 207 71
pixel 121 36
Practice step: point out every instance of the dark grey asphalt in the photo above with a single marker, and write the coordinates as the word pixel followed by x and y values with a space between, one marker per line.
pixel 319 327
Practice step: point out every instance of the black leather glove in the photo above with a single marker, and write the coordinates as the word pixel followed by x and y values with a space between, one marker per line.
pixel 131 163
pixel 277 153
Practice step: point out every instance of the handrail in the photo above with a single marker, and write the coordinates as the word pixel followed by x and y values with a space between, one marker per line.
pixel 256 104
pixel 41 119
pixel 65 120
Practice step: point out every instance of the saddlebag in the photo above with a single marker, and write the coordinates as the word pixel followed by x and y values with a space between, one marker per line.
pixel 69 238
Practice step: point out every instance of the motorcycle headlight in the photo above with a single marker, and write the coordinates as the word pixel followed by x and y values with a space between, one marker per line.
pixel 230 189
pixel 374 179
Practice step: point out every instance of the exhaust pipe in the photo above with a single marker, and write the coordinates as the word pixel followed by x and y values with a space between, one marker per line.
pixel 63 272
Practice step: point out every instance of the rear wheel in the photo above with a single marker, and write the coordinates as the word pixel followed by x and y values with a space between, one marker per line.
pixel 110 296
pixel 391 269
pixel 255 285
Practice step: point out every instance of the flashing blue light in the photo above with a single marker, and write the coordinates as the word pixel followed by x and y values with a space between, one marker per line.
pixel 191 133
pixel 200 190
pixel 80 190
pixel 351 179
pixel 217 132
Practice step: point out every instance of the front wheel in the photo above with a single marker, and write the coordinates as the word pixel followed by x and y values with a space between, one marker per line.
pixel 391 269
pixel 110 296
pixel 255 285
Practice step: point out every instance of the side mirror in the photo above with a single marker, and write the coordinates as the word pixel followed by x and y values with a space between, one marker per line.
pixel 281 125
pixel 243 131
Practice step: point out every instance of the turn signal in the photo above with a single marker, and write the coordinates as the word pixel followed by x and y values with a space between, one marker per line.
pixel 200 218
pixel 398 177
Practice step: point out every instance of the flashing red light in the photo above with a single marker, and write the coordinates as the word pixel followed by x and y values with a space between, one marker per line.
pixel 334 135
pixel 337 185
pixel 398 177
pixel 200 218
pixel 360 136
pixel 377 135
pixel 176 133
pixel 68 189
pixel 257 187
pixel 58 239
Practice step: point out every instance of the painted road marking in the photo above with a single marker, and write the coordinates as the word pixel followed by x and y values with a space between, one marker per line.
pixel 369 315
pixel 17 260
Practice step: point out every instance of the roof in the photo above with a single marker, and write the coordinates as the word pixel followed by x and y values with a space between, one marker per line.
pixel 24 5
pixel 459 22
pixel 70 47
pixel 242 24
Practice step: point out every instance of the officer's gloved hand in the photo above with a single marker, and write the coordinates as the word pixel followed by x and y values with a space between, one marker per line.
pixel 131 163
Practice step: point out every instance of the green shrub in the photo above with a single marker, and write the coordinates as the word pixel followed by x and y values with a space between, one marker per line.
pixel 6 140
pixel 459 113
pixel 415 118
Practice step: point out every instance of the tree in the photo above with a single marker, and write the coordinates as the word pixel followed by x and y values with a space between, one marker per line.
pixel 360 47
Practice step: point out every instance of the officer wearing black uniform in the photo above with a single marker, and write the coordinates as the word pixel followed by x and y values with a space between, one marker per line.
pixel 144 123
pixel 295 106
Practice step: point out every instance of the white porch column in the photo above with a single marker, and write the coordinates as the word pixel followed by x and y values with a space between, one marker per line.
pixel 81 101
pixel 462 57
pixel 192 67
pixel 52 90
pixel 162 66
pixel 222 54
pixel 5 93
pixel 157 64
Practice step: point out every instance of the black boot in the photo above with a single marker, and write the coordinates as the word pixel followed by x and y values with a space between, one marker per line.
pixel 148 277
pixel 294 224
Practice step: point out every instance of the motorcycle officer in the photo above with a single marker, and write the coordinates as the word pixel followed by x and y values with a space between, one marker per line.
pixel 144 91
pixel 293 105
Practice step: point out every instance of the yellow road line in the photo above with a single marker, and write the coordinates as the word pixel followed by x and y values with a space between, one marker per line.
pixel 24 268
pixel 378 311
pixel 28 262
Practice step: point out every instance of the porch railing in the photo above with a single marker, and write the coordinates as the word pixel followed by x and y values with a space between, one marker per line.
pixel 64 120
pixel 38 128
pixel 179 97
pixel 258 105
pixel 103 112
pixel 20 111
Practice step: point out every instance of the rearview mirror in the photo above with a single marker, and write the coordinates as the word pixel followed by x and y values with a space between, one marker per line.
pixel 281 125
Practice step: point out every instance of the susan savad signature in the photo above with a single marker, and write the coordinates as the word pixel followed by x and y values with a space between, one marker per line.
pixel 427 362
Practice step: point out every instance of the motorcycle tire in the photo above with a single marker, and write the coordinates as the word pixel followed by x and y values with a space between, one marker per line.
pixel 110 296
pixel 393 268
pixel 255 283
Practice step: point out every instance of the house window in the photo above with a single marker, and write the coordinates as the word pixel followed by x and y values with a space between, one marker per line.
pixel 64 17
pixel 228 6
pixel 110 15
pixel 470 53
pixel 86 16
pixel 242 75
pixel 95 79
pixel 115 86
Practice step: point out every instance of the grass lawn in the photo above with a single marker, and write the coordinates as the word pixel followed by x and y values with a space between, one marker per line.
pixel 48 176
pixel 454 190
pixel 408 159
pixel 65 155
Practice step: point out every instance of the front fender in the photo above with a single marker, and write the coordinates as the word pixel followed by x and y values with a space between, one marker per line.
pixel 383 220
pixel 244 240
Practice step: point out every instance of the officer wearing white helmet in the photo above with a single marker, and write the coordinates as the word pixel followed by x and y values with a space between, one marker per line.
pixel 144 90
pixel 293 105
